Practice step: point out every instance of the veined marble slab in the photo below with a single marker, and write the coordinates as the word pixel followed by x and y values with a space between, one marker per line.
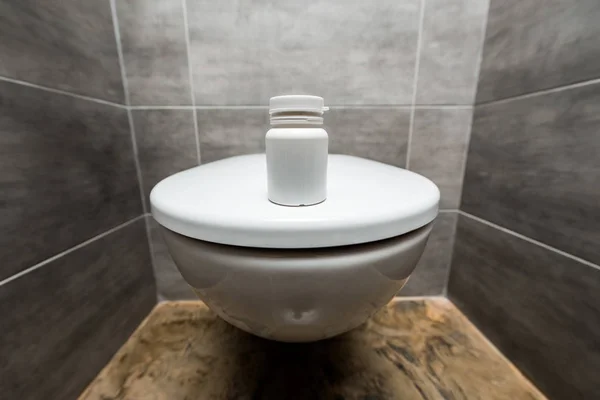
pixel 412 349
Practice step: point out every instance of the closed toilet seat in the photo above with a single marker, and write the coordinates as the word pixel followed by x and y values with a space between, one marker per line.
pixel 226 202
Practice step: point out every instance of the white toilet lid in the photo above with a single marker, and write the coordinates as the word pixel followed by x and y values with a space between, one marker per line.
pixel 226 202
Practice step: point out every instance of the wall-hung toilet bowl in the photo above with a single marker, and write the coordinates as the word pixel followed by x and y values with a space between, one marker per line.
pixel 295 274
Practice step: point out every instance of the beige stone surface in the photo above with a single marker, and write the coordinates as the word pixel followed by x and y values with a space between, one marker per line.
pixel 412 349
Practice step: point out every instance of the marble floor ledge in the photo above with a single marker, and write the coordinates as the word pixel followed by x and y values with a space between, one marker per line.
pixel 414 348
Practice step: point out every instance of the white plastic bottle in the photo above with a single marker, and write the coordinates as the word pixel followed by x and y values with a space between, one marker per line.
pixel 297 150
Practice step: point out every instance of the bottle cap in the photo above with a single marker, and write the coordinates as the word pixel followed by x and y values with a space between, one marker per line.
pixel 297 103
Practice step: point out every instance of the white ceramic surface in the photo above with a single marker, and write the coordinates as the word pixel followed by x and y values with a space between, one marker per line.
pixel 226 202
pixel 297 295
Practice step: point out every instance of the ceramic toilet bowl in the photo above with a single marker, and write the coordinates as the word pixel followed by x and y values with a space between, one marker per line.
pixel 295 274
pixel 297 295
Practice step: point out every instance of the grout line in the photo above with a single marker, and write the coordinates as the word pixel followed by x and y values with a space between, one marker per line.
pixel 465 158
pixel 338 106
pixel 136 159
pixel 161 107
pixel 115 18
pixel 229 107
pixel 375 106
pixel 72 249
pixel 540 92
pixel 150 244
pixel 449 267
pixel 58 91
pixel 443 106
pixel 530 240
pixel 447 210
pixel 415 84
pixel 462 181
pixel 265 107
pixel 191 78
pixel 481 48
pixel 147 223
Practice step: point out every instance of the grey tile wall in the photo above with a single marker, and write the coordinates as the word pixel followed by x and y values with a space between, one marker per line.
pixel 67 173
pixel 540 308
pixel 526 259
pixel 431 274
pixel 379 134
pixel 63 322
pixel 450 51
pixel 438 150
pixel 532 45
pixel 348 52
pixel 155 52
pixel 63 44
pixel 533 168
pixel 166 143
pixel 76 275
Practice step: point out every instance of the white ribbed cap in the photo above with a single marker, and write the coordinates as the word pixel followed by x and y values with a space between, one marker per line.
pixel 295 103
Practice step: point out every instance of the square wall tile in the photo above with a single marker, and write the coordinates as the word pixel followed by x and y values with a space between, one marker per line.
pixel 66 170
pixel 429 278
pixel 451 44
pixel 531 45
pixel 154 46
pixel 379 134
pixel 169 282
pixel 348 52
pixel 540 308
pixel 231 132
pixel 62 322
pixel 438 149
pixel 63 44
pixel 166 141
pixel 533 168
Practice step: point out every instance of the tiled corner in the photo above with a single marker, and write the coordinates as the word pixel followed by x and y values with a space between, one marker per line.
pixel 440 139
pixel 533 168
pixel 347 52
pixel 166 142
pixel 231 132
pixel 67 173
pixel 154 46
pixel 539 307
pixel 170 284
pixel 536 44
pixel 379 134
pixel 431 274
pixel 67 45
pixel 451 44
pixel 62 322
